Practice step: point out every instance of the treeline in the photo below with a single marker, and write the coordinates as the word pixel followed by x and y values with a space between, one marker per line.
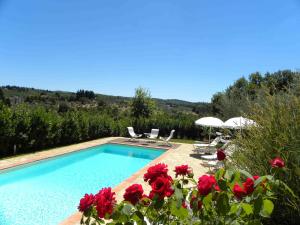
pixel 88 99
pixel 51 119
pixel 25 128
pixel 239 98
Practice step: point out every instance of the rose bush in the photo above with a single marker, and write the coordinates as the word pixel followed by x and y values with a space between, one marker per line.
pixel 227 197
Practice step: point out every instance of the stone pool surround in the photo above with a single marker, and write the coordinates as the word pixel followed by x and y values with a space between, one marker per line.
pixel 177 155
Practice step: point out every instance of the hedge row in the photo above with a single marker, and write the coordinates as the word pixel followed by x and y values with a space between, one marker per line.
pixel 26 128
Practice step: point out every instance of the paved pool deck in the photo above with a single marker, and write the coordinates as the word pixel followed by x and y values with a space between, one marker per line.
pixel 177 155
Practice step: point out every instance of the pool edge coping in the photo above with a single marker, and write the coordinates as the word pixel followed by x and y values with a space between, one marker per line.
pixel 41 158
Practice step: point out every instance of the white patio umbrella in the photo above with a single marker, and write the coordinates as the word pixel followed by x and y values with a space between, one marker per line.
pixel 239 123
pixel 209 122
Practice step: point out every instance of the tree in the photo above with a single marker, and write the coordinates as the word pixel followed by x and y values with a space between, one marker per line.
pixel 142 105
pixel 85 94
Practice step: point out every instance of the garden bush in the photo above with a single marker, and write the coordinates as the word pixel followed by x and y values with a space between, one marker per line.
pixel 29 128
pixel 276 135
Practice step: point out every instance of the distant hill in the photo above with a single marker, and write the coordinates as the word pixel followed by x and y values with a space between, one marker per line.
pixel 18 95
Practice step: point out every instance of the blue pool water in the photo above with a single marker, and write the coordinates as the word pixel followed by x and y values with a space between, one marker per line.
pixel 47 192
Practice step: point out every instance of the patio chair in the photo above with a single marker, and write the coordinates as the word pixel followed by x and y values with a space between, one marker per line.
pixel 214 156
pixel 207 148
pixel 166 140
pixel 132 134
pixel 213 165
pixel 153 135
pixel 213 143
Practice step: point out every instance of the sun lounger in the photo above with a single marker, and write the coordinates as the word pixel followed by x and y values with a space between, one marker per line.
pixel 153 135
pixel 166 140
pixel 132 134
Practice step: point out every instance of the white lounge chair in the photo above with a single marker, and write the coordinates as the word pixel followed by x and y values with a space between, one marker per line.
pixel 209 157
pixel 213 164
pixel 213 143
pixel 153 135
pixel 207 148
pixel 132 134
pixel 214 156
pixel 166 140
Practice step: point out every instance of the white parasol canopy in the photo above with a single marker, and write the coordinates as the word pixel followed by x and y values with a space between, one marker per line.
pixel 209 122
pixel 239 123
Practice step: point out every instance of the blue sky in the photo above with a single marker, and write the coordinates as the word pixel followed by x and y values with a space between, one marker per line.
pixel 177 49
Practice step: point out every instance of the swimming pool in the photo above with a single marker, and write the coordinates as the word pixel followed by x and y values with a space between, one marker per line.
pixel 46 192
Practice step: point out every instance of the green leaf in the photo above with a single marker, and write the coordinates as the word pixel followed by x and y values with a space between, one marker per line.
pixel 234 208
pixel 228 174
pixel 235 178
pixel 254 222
pixel 128 223
pixel 246 173
pixel 127 209
pixel 267 208
pixel 139 219
pixel 222 205
pixel 140 215
pixel 180 212
pixel 258 203
pixel 116 215
pixel 235 222
pixel 247 208
pixel 207 201
pixel 178 196
pixel 222 184
pixel 219 174
pixel 258 181
pixel 158 203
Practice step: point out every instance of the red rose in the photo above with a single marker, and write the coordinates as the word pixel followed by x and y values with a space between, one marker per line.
pixel 217 188
pixel 238 191
pixel 205 184
pixel 221 154
pixel 133 193
pixel 184 205
pixel 153 172
pixel 277 162
pixel 183 170
pixel 161 187
pixel 194 204
pixel 86 202
pixel 256 177
pixel 248 186
pixel 105 201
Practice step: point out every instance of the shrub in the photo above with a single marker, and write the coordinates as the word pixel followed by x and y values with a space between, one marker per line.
pixel 33 128
pixel 277 135
pixel 6 128
pixel 228 197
